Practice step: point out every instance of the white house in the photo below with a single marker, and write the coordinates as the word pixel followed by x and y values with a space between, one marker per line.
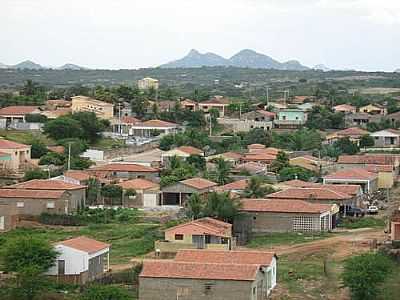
pixel 81 260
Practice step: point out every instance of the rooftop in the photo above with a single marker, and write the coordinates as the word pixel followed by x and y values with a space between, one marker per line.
pixel 352 174
pixel 18 110
pixel 31 194
pixel 6 144
pixel 138 184
pixel 202 226
pixel 77 174
pixel 85 244
pixel 283 206
pixel 236 185
pixel 317 193
pixel 190 150
pixel 46 184
pixel 373 159
pixel 157 123
pixel 198 183
pixel 123 167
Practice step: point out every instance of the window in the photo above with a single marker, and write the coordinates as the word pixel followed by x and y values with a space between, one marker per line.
pixel 20 204
pixel 51 204
pixel 207 288
pixel 303 223
pixel 179 237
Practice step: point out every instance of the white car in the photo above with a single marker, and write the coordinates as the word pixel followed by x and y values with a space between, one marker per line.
pixel 373 209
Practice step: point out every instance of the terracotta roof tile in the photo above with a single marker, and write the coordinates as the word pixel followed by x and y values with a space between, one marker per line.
pixel 261 258
pixel 256 146
pixel 46 184
pixel 194 270
pixel 138 184
pixel 350 189
pixel 157 123
pixel 379 168
pixel 77 174
pixel 6 144
pixel 85 244
pixel 251 167
pixel 31 194
pixel 18 110
pixel 56 149
pixel 344 107
pixel 283 206
pixel 232 155
pixel 130 120
pixel 123 167
pixel 190 150
pixel 203 226
pixel 370 159
pixel 310 193
pixel 198 183
pixel 356 174
pixel 236 185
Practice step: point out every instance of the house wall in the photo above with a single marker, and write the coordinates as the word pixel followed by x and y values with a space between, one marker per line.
pixel 18 157
pixel 193 289
pixel 133 175
pixel 386 180
pixel 8 217
pixel 101 109
pixel 245 125
pixel 395 231
pixel 35 207
pixel 386 141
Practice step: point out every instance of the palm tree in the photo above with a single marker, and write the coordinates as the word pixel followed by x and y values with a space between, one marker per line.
pixel 194 207
pixel 255 189
pixel 222 172
pixel 221 206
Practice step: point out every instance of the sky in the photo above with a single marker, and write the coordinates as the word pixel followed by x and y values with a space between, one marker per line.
pixel 114 34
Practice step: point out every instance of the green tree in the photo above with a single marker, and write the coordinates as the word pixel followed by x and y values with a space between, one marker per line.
pixel 38 148
pixel 367 141
pixel 197 161
pixel 52 158
pixel 363 273
pixel 112 192
pixel 105 292
pixel 222 171
pixel 90 124
pixel 346 146
pixel 194 206
pixel 80 163
pixel 281 161
pixel 63 128
pixel 30 282
pixel 255 188
pixel 295 172
pixel 35 174
pixel 303 139
pixel 94 188
pixel 221 206
pixel 36 118
pixel 257 136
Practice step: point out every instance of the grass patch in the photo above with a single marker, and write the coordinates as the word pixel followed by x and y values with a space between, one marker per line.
pixel 366 222
pixel 128 240
pixel 108 143
pixel 289 238
pixel 25 137
pixel 390 289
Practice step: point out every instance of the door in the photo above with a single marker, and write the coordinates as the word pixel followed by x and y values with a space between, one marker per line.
pixel 61 267
pixel 2 226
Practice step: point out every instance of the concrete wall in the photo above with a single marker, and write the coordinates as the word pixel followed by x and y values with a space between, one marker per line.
pixel 8 217
pixel 193 289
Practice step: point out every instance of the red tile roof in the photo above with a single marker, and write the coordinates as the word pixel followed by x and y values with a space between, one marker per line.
pixel 355 174
pixel 198 183
pixel 379 168
pixel 85 244
pixel 203 226
pixel 56 149
pixel 17 110
pixel 46 184
pixel 123 167
pixel 129 120
pixel 31 194
pixel 251 167
pixel 310 193
pixel 350 189
pixel 370 159
pixel 6 144
pixel 236 185
pixel 283 206
pixel 190 150
pixel 256 146
pixel 261 258
pixel 344 107
pixel 77 174
pixel 232 155
pixel 194 270
pixel 300 183
pixel 157 123
pixel 138 184
pixel 259 157
pixel 267 113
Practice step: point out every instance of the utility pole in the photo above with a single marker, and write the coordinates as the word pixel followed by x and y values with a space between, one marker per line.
pixel 69 156
pixel 267 89
pixel 119 117
pixel 240 110
pixel 210 124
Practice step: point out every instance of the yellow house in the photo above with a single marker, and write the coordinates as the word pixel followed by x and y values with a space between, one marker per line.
pixel 148 83
pixel 204 233
pixel 103 110
pixel 386 175
pixel 374 109
pixel 14 156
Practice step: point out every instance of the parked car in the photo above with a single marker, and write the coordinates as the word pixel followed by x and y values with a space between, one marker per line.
pixel 373 209
pixel 355 212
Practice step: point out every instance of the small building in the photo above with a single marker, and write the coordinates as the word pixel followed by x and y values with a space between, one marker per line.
pixel 124 171
pixel 311 163
pixel 8 216
pixel 148 83
pixel 360 119
pixel 290 118
pixel 16 114
pixel 80 260
pixel 353 133
pixel 374 109
pixel 147 193
pixel 209 274
pixel 218 102
pixel 367 180
pixel 238 186
pixel 395 227
pixel 150 158
pixel 179 193
pixel 251 168
pixel 182 152
pixel 204 233
pixel 152 128
pixel 76 192
pixel 14 156
pixel 189 104
pixel 260 216
pixel 386 175
pixel 387 138
pixel 248 121
pixel 77 176
pixel 345 108
pixel 103 110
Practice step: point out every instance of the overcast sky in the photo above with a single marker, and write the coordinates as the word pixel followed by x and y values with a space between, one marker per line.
pixel 359 34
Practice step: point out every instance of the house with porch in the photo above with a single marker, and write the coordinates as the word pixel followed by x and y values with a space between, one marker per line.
pixel 367 180
pixel 209 274
pixel 14 156
pixel 360 119
pixel 80 260
pixel 374 109
pixel 17 114
pixel 124 170
pixel 218 102
pixel 152 128
pixel 204 233
pixel 387 138
pixel 189 104
pixel 353 133
pixel 290 118
pixel 177 194
pixel 147 193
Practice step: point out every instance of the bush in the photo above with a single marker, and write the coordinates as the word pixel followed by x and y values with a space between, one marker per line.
pixel 104 292
pixel 35 174
pixel 52 158
pixel 64 220
pixel 354 223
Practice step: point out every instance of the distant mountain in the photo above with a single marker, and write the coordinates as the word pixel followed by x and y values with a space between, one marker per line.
pixel 71 67
pixel 244 59
pixel 30 65
pixel 321 67
pixel 3 66
pixel 397 71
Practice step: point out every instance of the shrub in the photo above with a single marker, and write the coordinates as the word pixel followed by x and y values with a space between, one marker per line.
pixel 64 220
